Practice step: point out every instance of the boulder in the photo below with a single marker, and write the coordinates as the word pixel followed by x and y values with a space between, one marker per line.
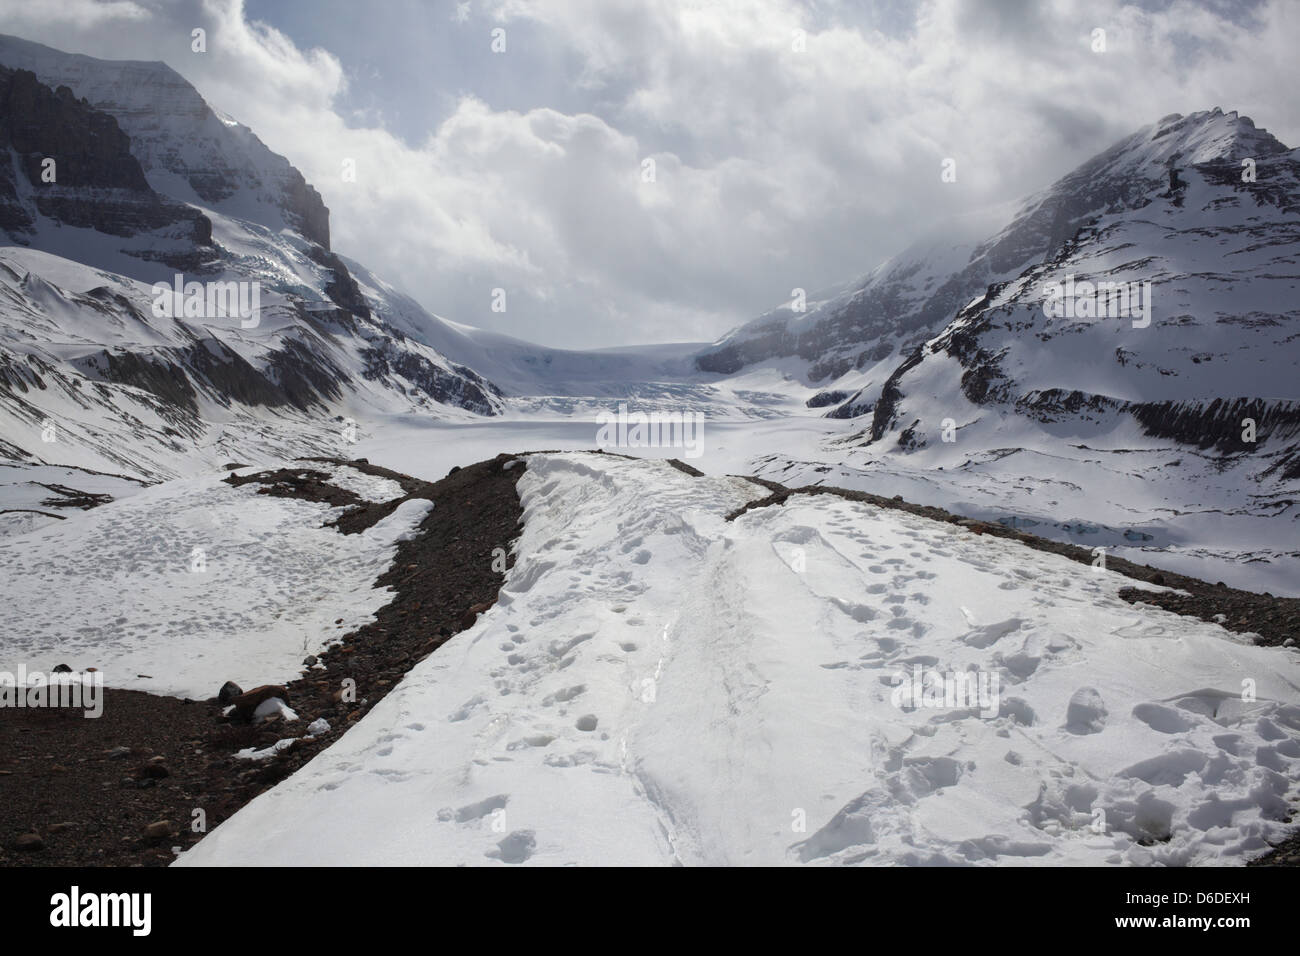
pixel 158 830
pixel 467 620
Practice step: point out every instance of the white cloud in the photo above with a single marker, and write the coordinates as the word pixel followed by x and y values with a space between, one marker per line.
pixel 774 168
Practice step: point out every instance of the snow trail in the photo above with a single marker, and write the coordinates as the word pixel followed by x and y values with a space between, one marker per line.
pixel 657 686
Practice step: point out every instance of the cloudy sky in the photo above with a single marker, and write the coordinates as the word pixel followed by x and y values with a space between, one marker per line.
pixel 793 144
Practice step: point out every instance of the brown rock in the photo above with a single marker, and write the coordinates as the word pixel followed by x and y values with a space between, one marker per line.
pixel 248 702
pixel 29 843
pixel 158 830
pixel 467 620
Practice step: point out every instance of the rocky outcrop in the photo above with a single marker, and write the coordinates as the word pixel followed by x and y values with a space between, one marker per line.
pixel 341 288
pixel 97 183
pixel 178 138
pixel 822 399
pixel 458 386
pixel 1220 423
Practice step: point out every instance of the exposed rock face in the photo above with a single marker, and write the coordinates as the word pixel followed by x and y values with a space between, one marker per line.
pixel 461 386
pixel 178 139
pixel 97 183
pixel 822 399
pixel 1217 423
pixel 342 289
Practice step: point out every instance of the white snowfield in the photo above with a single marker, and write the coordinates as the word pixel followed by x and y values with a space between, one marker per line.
pixel 193 583
pixel 659 686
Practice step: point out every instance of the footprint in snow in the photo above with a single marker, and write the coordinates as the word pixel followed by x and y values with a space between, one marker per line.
pixel 1086 713
pixel 515 848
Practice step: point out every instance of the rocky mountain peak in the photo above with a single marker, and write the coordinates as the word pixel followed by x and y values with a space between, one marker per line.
pixel 187 151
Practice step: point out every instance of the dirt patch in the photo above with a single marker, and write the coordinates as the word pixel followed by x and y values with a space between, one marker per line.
pixel 683 467
pixel 80 785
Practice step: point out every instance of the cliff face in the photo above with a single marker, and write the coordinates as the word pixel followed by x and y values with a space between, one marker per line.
pixel 97 183
pixel 185 149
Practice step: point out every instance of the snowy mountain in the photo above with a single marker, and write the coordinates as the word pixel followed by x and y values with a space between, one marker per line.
pixel 187 150
pixel 1213 339
pixel 862 327
pixel 874 325
pixel 116 177
pixel 1040 403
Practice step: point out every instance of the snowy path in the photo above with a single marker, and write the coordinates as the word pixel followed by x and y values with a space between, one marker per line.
pixel 657 685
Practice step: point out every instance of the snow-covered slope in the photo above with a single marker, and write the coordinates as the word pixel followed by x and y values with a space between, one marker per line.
pixel 1217 258
pixel 187 150
pixel 1105 431
pixel 150 185
pixel 853 334
pixel 657 685
pixel 89 376
pixel 1181 435
pixel 192 583
pixel 525 369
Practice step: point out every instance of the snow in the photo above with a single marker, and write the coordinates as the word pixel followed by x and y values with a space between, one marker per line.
pixel 25 491
pixel 770 645
pixel 195 583
pixel 1118 490
pixel 251 753
pixel 273 707
pixel 656 685
pixel 373 488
